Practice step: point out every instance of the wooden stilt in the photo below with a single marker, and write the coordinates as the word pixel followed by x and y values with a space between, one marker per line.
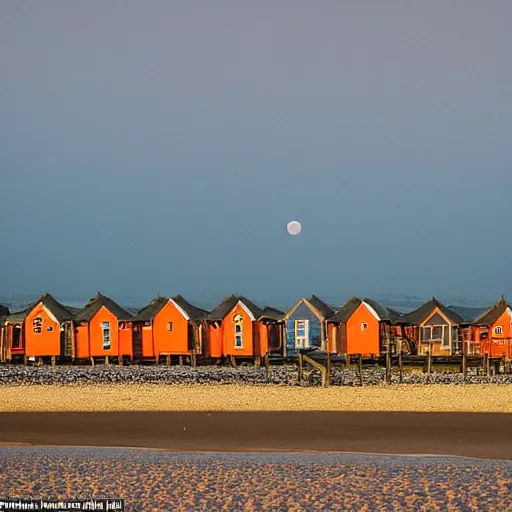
pixel 301 367
pixel 257 362
pixel 168 360
pixel 25 360
pixel 360 365
pixel 328 371
pixel 267 367
pixel 92 361
pixel 157 359
pixel 400 364
pixel 429 360
pixel 181 360
pixel 107 363
pixel 120 360
pixel 53 360
pixel 388 362
pixel 233 361
pixel 193 360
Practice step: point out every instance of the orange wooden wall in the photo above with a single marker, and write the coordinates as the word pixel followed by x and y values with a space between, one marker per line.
pixel 228 334
pixel 497 345
pixel 92 333
pixel 365 342
pixel 176 340
pixel 45 343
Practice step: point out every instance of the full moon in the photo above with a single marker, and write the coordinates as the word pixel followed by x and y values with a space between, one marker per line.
pixel 294 227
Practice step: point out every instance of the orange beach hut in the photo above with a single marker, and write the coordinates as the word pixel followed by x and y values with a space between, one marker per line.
pixel 103 329
pixel 240 328
pixel 493 330
pixel 43 329
pixel 168 326
pixel 363 327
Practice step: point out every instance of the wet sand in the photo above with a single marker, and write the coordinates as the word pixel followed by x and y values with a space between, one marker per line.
pixel 160 481
pixel 463 434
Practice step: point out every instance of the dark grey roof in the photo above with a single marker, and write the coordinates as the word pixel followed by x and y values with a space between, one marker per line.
pixel 490 316
pixel 346 311
pixel 59 311
pixel 271 313
pixel 325 310
pixel 386 314
pixel 192 311
pixel 228 303
pixel 147 313
pixel 4 310
pixel 422 313
pixel 95 304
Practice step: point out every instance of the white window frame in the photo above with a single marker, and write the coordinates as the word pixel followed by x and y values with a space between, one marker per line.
pixel 498 330
pixel 105 330
pixel 169 326
pixel 37 325
pixel 239 336
pixel 431 339
pixel 302 341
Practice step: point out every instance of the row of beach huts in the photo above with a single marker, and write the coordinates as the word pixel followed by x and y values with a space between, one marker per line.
pixel 239 329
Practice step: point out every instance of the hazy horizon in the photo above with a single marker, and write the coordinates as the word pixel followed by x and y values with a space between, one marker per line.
pixel 162 147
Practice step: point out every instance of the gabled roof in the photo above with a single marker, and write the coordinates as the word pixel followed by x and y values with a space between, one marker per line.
pixel 228 303
pixel 490 316
pixel 386 314
pixel 96 303
pixel 147 313
pixel 271 313
pixel 346 311
pixel 325 310
pixel 192 311
pixel 59 311
pixel 420 314
pixel 321 309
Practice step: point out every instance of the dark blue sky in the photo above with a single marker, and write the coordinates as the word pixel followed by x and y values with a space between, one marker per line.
pixel 162 146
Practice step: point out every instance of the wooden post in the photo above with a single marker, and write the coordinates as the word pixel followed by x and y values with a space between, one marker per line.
pixel 157 359
pixel 107 363
pixel 181 360
pixel 53 360
pixel 257 362
pixel 347 360
pixel 488 365
pixel 92 360
pixel 120 360
pixel 328 370
pixel 360 366
pixel 193 360
pixel 168 360
pixel 429 359
pixel 400 363
pixel 388 360
pixel 40 362
pixel 464 358
pixel 300 371
pixel 233 361
pixel 267 367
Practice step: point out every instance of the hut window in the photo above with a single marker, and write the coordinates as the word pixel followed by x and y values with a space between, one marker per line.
pixel 49 328
pixel 238 336
pixel 105 327
pixel 364 326
pixel 37 325
pixel 169 326
pixel 426 333
pixel 301 333
pixel 498 330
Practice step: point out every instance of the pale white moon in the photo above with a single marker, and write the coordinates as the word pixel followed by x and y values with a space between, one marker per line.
pixel 294 227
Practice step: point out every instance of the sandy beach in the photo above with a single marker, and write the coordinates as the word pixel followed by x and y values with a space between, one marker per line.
pixel 150 397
